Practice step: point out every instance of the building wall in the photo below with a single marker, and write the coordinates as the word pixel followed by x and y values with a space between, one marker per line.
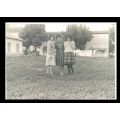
pixel 13 47
pixel 99 41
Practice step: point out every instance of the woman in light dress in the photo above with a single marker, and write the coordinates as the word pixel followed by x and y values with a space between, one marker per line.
pixel 50 57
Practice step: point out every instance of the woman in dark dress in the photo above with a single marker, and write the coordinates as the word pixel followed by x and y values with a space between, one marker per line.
pixel 59 53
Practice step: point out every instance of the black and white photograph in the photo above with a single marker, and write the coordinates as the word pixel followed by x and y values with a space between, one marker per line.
pixel 60 61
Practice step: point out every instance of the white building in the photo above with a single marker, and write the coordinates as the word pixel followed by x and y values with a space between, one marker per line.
pixel 100 42
pixel 13 45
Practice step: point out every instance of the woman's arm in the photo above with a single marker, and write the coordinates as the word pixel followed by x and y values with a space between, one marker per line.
pixel 73 45
pixel 48 48
pixel 65 45
pixel 56 46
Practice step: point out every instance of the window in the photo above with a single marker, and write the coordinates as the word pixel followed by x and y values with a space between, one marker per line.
pixel 17 48
pixel 9 47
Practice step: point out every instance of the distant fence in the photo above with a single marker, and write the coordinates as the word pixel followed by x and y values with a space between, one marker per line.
pixel 91 53
pixel 86 53
pixel 78 52
pixel 83 52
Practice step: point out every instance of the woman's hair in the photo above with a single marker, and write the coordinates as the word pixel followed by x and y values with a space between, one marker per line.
pixel 69 36
pixel 58 36
pixel 51 36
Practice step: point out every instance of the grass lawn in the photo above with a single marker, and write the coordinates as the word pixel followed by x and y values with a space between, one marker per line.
pixel 26 78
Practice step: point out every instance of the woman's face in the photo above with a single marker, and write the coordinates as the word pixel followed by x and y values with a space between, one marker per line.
pixel 52 38
pixel 59 39
pixel 68 39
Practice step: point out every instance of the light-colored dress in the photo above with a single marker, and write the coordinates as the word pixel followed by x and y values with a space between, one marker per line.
pixel 50 56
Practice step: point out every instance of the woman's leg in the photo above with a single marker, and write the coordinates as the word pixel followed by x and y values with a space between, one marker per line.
pixel 68 66
pixel 61 70
pixel 72 68
pixel 62 67
pixel 50 70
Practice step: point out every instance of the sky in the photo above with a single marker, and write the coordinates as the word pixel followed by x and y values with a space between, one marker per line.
pixel 58 27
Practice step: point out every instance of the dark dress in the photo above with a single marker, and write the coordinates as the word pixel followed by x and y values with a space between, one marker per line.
pixel 59 53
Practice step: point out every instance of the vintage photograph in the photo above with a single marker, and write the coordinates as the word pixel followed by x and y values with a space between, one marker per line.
pixel 60 60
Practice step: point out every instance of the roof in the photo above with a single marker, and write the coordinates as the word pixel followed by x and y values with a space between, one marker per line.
pixel 11 36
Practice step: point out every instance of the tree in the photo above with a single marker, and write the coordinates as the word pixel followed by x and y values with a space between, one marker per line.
pixel 80 34
pixel 111 41
pixel 33 34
